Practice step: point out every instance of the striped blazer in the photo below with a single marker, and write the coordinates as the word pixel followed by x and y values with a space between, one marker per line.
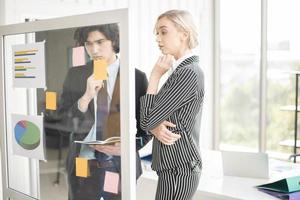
pixel 179 101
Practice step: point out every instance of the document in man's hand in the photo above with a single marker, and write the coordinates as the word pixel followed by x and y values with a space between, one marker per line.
pixel 111 140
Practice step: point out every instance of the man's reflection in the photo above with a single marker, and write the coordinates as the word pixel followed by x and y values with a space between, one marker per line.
pixel 77 107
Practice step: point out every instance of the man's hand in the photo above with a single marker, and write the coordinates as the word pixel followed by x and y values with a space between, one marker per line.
pixel 164 135
pixel 112 150
pixel 92 88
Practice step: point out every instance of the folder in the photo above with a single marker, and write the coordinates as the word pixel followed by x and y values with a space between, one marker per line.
pixel 286 185
pixel 280 195
pixel 147 158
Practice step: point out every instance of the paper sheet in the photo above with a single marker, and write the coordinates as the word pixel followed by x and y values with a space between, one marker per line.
pixel 28 136
pixel 29 65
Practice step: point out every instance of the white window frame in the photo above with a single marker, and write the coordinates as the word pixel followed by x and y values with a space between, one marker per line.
pixel 263 77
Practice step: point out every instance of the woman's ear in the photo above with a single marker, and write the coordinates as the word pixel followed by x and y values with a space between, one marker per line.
pixel 184 36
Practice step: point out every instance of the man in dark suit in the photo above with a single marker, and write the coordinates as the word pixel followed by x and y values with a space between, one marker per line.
pixel 78 106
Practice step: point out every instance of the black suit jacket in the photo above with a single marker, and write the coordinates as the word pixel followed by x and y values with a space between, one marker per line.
pixel 80 123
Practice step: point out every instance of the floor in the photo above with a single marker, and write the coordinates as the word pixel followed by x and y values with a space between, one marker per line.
pixel 48 172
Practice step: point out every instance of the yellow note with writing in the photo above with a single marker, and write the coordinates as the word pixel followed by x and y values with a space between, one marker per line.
pixel 51 100
pixel 100 69
pixel 82 167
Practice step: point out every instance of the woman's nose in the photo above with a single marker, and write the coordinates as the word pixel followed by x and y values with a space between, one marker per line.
pixel 158 40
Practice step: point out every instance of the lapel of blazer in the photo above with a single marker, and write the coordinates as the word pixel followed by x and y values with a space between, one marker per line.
pixel 188 61
pixel 89 72
pixel 115 101
pixel 113 119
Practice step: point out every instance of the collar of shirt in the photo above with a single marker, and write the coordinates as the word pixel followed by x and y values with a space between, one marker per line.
pixel 112 77
pixel 176 63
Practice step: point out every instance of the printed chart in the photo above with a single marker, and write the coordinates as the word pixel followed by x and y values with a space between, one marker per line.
pixel 29 65
pixel 27 134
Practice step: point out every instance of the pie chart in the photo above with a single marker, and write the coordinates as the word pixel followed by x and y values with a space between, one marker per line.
pixel 27 134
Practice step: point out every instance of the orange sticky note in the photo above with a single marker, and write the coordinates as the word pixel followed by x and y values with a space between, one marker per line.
pixel 78 56
pixel 51 100
pixel 100 69
pixel 82 167
pixel 111 182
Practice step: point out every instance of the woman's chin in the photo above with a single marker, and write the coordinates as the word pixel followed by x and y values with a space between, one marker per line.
pixel 164 52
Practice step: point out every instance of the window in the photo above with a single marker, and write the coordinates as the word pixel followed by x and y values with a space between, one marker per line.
pixel 283 56
pixel 240 56
pixel 239 73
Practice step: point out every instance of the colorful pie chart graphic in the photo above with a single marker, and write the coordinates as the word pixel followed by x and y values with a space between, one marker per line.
pixel 27 134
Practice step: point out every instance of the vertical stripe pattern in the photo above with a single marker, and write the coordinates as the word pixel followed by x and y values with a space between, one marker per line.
pixel 180 102
pixel 179 184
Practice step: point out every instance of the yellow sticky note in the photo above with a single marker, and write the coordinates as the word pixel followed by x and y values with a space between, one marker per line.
pixel 82 167
pixel 51 100
pixel 111 182
pixel 100 69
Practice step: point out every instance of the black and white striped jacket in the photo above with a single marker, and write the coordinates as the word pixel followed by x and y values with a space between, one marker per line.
pixel 179 101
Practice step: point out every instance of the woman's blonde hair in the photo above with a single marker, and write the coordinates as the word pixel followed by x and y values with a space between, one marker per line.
pixel 183 20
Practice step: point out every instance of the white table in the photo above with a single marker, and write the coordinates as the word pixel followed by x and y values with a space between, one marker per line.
pixel 214 186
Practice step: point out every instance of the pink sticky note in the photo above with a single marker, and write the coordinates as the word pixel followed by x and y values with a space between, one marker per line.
pixel 78 57
pixel 111 182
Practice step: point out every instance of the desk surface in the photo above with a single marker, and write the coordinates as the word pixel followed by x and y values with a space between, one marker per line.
pixel 213 185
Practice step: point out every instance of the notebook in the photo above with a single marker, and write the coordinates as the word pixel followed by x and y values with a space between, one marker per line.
pixel 245 164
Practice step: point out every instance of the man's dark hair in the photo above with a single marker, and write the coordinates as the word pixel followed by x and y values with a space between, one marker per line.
pixel 110 31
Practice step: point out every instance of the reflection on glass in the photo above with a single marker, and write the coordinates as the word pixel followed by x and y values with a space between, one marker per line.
pixel 239 74
pixel 89 109
pixel 83 77
pixel 93 171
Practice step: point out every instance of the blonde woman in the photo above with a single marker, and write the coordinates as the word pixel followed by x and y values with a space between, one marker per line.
pixel 172 114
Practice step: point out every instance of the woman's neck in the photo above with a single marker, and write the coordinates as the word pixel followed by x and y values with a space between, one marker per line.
pixel 182 53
